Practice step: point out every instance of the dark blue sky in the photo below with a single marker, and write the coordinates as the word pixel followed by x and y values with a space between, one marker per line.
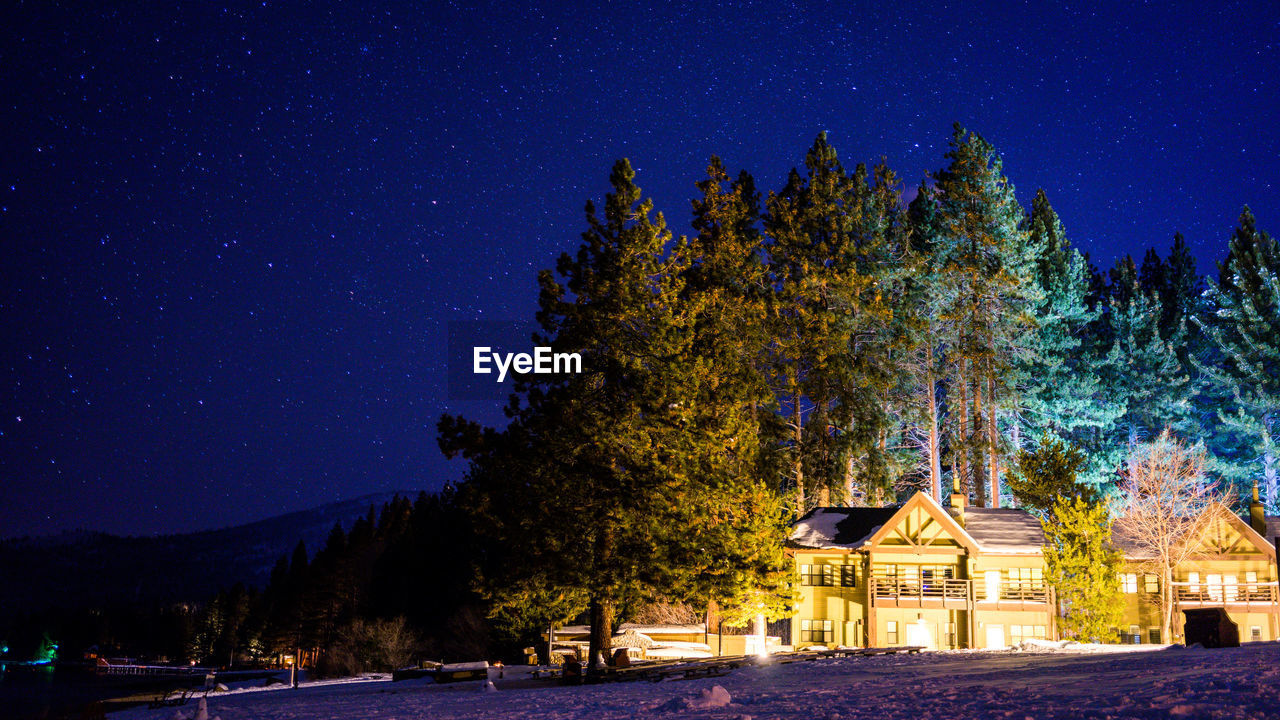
pixel 234 235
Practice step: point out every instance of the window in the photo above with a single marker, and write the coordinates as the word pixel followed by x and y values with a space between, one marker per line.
pixel 1255 633
pixel 847 578
pixel 891 632
pixel 992 581
pixel 1251 577
pixel 1135 634
pixel 1128 582
pixel 949 629
pixel 816 631
pixel 1213 584
pixel 1018 633
pixel 1150 583
pixel 1193 582
pixel 1229 587
pixel 1153 635
pixel 817 575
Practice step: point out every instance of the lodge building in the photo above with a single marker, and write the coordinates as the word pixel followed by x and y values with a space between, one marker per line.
pixel 969 577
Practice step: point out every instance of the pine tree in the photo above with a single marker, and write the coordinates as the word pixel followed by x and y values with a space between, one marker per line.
pixel 1142 369
pixel 989 286
pixel 1243 329
pixel 1081 566
pixel 1046 474
pixel 827 232
pixel 923 327
pixel 1059 374
pixel 654 444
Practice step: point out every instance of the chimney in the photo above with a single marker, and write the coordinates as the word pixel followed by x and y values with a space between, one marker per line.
pixel 958 501
pixel 1257 513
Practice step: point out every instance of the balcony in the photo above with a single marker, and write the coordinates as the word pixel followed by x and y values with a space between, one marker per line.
pixel 1223 594
pixel 1016 591
pixel 915 592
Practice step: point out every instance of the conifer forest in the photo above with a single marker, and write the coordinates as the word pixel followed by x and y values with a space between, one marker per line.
pixel 845 338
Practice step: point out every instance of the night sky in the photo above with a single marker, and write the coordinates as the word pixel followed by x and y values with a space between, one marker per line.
pixel 233 236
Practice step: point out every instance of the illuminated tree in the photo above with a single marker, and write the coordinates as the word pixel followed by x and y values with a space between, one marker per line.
pixel 1164 504
pixel 1244 331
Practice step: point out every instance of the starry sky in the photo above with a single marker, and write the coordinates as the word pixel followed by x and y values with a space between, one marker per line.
pixel 233 236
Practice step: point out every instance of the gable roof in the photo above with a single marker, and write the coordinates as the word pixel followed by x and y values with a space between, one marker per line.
pixel 1125 542
pixel 837 527
pixel 1004 530
pixel 925 502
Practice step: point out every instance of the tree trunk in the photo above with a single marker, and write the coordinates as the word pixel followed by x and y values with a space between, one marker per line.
pixel 1270 473
pixel 960 449
pixel 848 479
pixel 601 633
pixel 1166 597
pixel 798 456
pixel 993 438
pixel 600 606
pixel 935 444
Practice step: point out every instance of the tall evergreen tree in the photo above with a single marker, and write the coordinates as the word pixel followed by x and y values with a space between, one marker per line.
pixel 1243 328
pixel 1059 373
pixel 826 230
pixel 653 444
pixel 990 288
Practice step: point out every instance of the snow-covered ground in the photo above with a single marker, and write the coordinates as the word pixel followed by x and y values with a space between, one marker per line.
pixel 1047 682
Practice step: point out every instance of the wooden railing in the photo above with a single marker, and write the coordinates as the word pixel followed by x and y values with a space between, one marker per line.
pixel 1224 593
pixel 917 588
pixel 951 589
pixel 1014 590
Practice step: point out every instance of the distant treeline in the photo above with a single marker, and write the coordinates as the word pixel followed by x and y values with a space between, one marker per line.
pixel 394 586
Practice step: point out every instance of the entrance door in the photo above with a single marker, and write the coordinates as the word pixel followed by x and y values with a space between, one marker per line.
pixel 920 634
pixel 995 636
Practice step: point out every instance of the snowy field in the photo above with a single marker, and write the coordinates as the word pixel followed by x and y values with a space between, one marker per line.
pixel 1084 682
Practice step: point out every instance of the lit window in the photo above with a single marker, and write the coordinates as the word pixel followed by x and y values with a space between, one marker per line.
pixel 816 631
pixel 1135 634
pixel 1255 633
pixel 1193 580
pixel 891 634
pixel 817 575
pixel 1129 582
pixel 1229 587
pixel 1251 577
pixel 1151 583
pixel 1214 586
pixel 1018 633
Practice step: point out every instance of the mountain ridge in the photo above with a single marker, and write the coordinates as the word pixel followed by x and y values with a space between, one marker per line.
pixel 96 569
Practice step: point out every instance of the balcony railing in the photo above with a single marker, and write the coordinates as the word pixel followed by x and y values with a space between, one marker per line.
pixel 1012 590
pixel 899 589
pixel 1225 593
pixel 917 588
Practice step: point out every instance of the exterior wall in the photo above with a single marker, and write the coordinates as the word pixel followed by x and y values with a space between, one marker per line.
pixel 1142 608
pixel 934 623
pixel 843 606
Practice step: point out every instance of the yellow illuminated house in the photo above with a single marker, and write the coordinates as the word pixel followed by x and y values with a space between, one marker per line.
pixel 1232 566
pixel 920 575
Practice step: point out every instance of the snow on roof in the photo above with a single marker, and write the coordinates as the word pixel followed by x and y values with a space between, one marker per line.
pixel 667 629
pixel 838 528
pixel 1004 529
pixel 650 630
